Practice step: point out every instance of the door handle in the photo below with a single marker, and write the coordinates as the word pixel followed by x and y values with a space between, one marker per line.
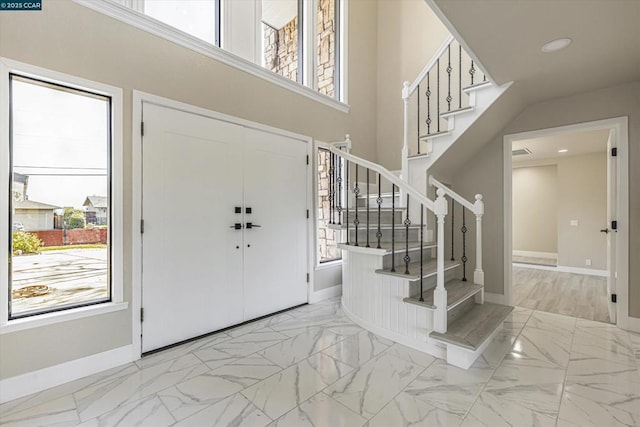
pixel 236 226
pixel 605 230
pixel 252 225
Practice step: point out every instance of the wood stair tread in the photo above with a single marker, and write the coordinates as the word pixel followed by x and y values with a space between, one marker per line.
pixel 457 292
pixel 456 111
pixel 473 328
pixel 429 269
pixel 385 247
pixel 476 86
pixel 435 134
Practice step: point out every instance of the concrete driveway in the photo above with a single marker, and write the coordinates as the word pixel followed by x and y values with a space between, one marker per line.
pixel 72 275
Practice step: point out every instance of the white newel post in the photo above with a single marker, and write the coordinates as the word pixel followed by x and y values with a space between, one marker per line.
pixel 440 293
pixel 478 274
pixel 405 144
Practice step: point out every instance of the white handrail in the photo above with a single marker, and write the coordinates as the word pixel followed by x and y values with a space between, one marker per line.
pixel 429 66
pixel 455 196
pixel 420 198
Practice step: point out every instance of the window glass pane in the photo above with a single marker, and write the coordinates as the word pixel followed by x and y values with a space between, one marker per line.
pixel 326 36
pixel 280 38
pixel 60 158
pixel 327 242
pixel 195 17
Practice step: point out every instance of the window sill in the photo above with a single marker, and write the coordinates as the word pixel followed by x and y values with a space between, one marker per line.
pixel 60 316
pixel 329 264
pixel 155 27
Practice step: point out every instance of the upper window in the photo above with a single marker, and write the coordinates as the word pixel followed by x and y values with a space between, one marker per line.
pixel 297 39
pixel 61 219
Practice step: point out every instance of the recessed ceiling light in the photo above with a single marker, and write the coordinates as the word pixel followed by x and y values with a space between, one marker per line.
pixel 563 150
pixel 556 45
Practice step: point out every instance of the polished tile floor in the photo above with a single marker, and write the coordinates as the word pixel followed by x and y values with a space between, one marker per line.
pixel 313 367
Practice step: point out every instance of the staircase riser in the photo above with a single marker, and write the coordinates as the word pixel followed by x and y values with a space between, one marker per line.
pixel 460 310
pixel 373 204
pixel 414 254
pixel 385 217
pixel 428 282
pixel 400 235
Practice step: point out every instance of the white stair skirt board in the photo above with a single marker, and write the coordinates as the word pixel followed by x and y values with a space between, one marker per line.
pixel 564 269
pixel 33 382
pixel 326 293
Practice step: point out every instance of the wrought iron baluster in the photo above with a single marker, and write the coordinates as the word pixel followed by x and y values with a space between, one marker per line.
pixel 368 202
pixel 453 203
pixel 421 249
pixel 347 195
pixel 331 183
pixel 459 76
pixel 393 228
pixel 356 192
pixel 449 69
pixel 472 71
pixel 464 246
pixel 379 202
pixel 428 93
pixel 339 193
pixel 407 223
pixel 418 116
pixel 438 96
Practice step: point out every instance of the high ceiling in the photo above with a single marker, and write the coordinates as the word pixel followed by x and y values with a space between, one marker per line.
pixel 507 35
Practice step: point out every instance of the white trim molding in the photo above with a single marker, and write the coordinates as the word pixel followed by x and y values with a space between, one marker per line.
pixel 535 254
pixel 620 127
pixel 563 269
pixel 42 379
pixel 326 293
pixel 167 32
pixel 117 303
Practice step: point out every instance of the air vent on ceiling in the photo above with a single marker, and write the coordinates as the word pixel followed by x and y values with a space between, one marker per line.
pixel 520 152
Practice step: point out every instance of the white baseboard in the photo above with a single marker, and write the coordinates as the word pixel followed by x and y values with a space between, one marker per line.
pixel 632 324
pixel 564 269
pixel 535 254
pixel 326 293
pixel 493 298
pixel 42 379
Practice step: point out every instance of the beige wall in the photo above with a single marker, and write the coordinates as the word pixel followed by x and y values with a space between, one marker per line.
pixel 484 174
pixel 409 34
pixel 72 39
pixel 535 209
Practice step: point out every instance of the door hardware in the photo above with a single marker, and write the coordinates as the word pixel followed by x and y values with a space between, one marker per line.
pixel 247 210
pixel 605 230
pixel 238 209
pixel 237 226
pixel 252 225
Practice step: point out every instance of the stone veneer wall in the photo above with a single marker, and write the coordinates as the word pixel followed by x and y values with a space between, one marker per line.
pixel 281 48
pixel 326 236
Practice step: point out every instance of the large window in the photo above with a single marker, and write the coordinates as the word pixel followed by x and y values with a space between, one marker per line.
pixel 60 197
pixel 297 39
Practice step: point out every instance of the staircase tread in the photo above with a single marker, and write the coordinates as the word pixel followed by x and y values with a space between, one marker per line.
pixel 385 247
pixel 435 134
pixel 418 156
pixel 476 86
pixel 457 292
pixel 473 328
pixel 456 111
pixel 429 269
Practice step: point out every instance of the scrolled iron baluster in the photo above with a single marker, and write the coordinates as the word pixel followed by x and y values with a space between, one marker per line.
pixel 449 70
pixel 428 94
pixel 459 76
pixel 464 246
pixel 379 202
pixel 472 71
pixel 453 203
pixel 346 199
pixel 438 96
pixel 421 249
pixel 356 192
pixel 393 228
pixel 339 194
pixel 418 116
pixel 331 194
pixel 407 223
pixel 368 202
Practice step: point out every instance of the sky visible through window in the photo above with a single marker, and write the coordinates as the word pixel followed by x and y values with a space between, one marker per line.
pixel 60 142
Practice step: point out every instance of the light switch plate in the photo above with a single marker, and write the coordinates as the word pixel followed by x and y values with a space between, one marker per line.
pixel 574 223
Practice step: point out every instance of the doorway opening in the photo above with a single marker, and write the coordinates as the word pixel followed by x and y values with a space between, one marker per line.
pixel 566 192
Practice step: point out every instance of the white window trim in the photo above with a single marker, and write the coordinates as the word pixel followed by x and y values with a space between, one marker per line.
pixel 117 273
pixel 153 26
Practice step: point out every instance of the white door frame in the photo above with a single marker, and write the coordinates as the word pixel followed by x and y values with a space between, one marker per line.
pixel 136 159
pixel 620 126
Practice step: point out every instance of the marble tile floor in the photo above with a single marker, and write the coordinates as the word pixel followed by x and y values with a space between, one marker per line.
pixel 311 366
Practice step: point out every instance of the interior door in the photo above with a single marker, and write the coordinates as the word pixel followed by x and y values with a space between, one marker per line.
pixel 275 189
pixel 612 202
pixel 192 259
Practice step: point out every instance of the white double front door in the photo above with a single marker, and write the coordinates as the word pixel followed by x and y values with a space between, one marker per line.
pixel 200 271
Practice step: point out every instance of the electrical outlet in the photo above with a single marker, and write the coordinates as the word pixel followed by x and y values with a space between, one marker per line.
pixel 587 262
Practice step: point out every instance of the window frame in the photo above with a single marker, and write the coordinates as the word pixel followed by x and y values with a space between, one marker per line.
pixel 10 67
pixel 146 23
